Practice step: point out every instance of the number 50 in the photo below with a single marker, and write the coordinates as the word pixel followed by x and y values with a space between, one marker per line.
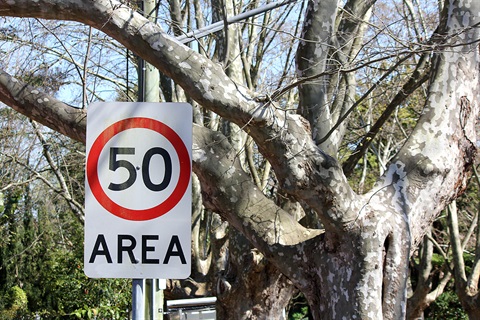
pixel 114 164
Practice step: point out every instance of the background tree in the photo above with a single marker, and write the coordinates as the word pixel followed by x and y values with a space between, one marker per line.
pixel 448 259
pixel 42 184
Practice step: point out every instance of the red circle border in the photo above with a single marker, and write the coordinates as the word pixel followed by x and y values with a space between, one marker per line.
pixel 142 214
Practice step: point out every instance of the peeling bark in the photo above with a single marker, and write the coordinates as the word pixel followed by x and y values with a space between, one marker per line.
pixel 42 108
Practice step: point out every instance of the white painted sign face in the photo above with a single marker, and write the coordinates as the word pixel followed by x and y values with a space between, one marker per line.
pixel 138 190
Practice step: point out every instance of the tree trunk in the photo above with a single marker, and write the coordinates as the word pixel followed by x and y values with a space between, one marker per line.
pixel 251 287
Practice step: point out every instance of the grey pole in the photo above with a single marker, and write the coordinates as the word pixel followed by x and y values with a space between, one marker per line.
pixel 147 298
pixel 138 305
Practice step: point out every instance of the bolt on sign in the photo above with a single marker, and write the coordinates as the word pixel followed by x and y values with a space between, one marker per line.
pixel 138 190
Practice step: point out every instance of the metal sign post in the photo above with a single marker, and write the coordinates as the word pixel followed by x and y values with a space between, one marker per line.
pixel 149 91
pixel 147 299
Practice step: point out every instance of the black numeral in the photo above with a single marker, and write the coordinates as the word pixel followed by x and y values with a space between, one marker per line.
pixel 115 163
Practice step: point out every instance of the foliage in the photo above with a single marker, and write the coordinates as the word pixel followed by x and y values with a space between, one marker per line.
pixel 446 306
pixel 299 314
pixel 15 304
pixel 50 268
pixel 41 246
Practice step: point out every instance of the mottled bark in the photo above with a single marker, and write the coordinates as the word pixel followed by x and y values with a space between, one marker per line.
pixel 432 176
pixel 42 108
pixel 250 286
pixel 312 60
pixel 330 42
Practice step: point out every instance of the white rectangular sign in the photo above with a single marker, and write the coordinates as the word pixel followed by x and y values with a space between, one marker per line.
pixel 138 190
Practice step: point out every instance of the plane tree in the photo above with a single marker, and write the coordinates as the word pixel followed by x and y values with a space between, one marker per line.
pixel 352 261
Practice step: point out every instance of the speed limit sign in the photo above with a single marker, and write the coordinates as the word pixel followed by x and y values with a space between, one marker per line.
pixel 138 190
